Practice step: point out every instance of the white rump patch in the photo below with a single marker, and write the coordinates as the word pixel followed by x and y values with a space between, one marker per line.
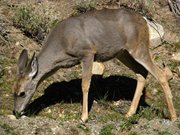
pixel 156 32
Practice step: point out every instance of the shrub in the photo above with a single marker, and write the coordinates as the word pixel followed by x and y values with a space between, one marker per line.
pixel 32 24
pixel 83 6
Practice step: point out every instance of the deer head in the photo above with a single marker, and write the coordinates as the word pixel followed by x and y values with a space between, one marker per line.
pixel 25 84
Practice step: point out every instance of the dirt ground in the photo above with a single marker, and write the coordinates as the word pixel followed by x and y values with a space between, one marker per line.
pixel 56 105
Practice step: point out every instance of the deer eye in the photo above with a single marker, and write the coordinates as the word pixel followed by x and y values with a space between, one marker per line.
pixel 22 94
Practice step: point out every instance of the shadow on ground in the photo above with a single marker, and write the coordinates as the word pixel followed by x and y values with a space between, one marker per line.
pixel 113 88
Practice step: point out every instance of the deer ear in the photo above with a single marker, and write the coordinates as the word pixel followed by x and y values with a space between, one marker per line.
pixel 23 60
pixel 33 66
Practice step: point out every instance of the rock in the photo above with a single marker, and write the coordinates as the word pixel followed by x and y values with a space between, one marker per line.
pixel 98 68
pixel 57 130
pixel 23 116
pixel 156 32
pixel 49 111
pixel 176 56
pixel 12 117
pixel 17 43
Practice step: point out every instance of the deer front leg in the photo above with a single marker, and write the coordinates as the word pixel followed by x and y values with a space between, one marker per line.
pixel 87 64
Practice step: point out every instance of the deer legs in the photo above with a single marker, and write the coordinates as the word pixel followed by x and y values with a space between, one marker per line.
pixel 87 64
pixel 161 76
pixel 141 74
pixel 140 66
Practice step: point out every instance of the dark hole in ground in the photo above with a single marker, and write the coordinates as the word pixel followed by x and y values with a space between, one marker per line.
pixel 113 88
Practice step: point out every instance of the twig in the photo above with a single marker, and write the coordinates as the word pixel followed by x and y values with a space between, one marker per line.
pixel 175 7
pixel 4 40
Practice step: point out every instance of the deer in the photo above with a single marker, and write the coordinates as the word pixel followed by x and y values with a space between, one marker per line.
pixel 94 36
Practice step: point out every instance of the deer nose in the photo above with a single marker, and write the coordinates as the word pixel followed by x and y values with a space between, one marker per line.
pixel 17 114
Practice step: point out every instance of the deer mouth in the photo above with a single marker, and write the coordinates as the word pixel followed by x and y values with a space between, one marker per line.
pixel 20 110
pixel 24 111
pixel 18 114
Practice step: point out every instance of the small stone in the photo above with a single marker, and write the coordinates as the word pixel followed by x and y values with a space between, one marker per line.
pixel 17 43
pixel 23 116
pixel 49 111
pixel 116 103
pixel 154 91
pixel 95 102
pixel 98 68
pixel 12 117
pixel 176 56
pixel 61 115
pixel 56 130
pixel 165 122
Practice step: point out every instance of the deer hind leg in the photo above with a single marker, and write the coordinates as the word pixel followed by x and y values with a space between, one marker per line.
pixel 161 76
pixel 87 64
pixel 141 73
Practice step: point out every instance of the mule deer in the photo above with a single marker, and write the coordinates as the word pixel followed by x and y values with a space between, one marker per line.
pixel 93 36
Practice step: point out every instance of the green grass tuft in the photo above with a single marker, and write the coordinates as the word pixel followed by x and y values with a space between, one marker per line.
pixel 106 130
pixel 8 129
pixel 33 23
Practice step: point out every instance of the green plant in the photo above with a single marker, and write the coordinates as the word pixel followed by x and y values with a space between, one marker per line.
pixel 103 98
pixel 8 129
pixel 85 5
pixel 164 132
pixel 177 45
pixel 179 125
pixel 157 57
pixel 106 130
pixel 149 113
pixel 173 64
pixel 83 127
pixel 130 121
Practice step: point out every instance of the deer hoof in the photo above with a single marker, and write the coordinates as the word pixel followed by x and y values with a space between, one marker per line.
pixel 174 118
